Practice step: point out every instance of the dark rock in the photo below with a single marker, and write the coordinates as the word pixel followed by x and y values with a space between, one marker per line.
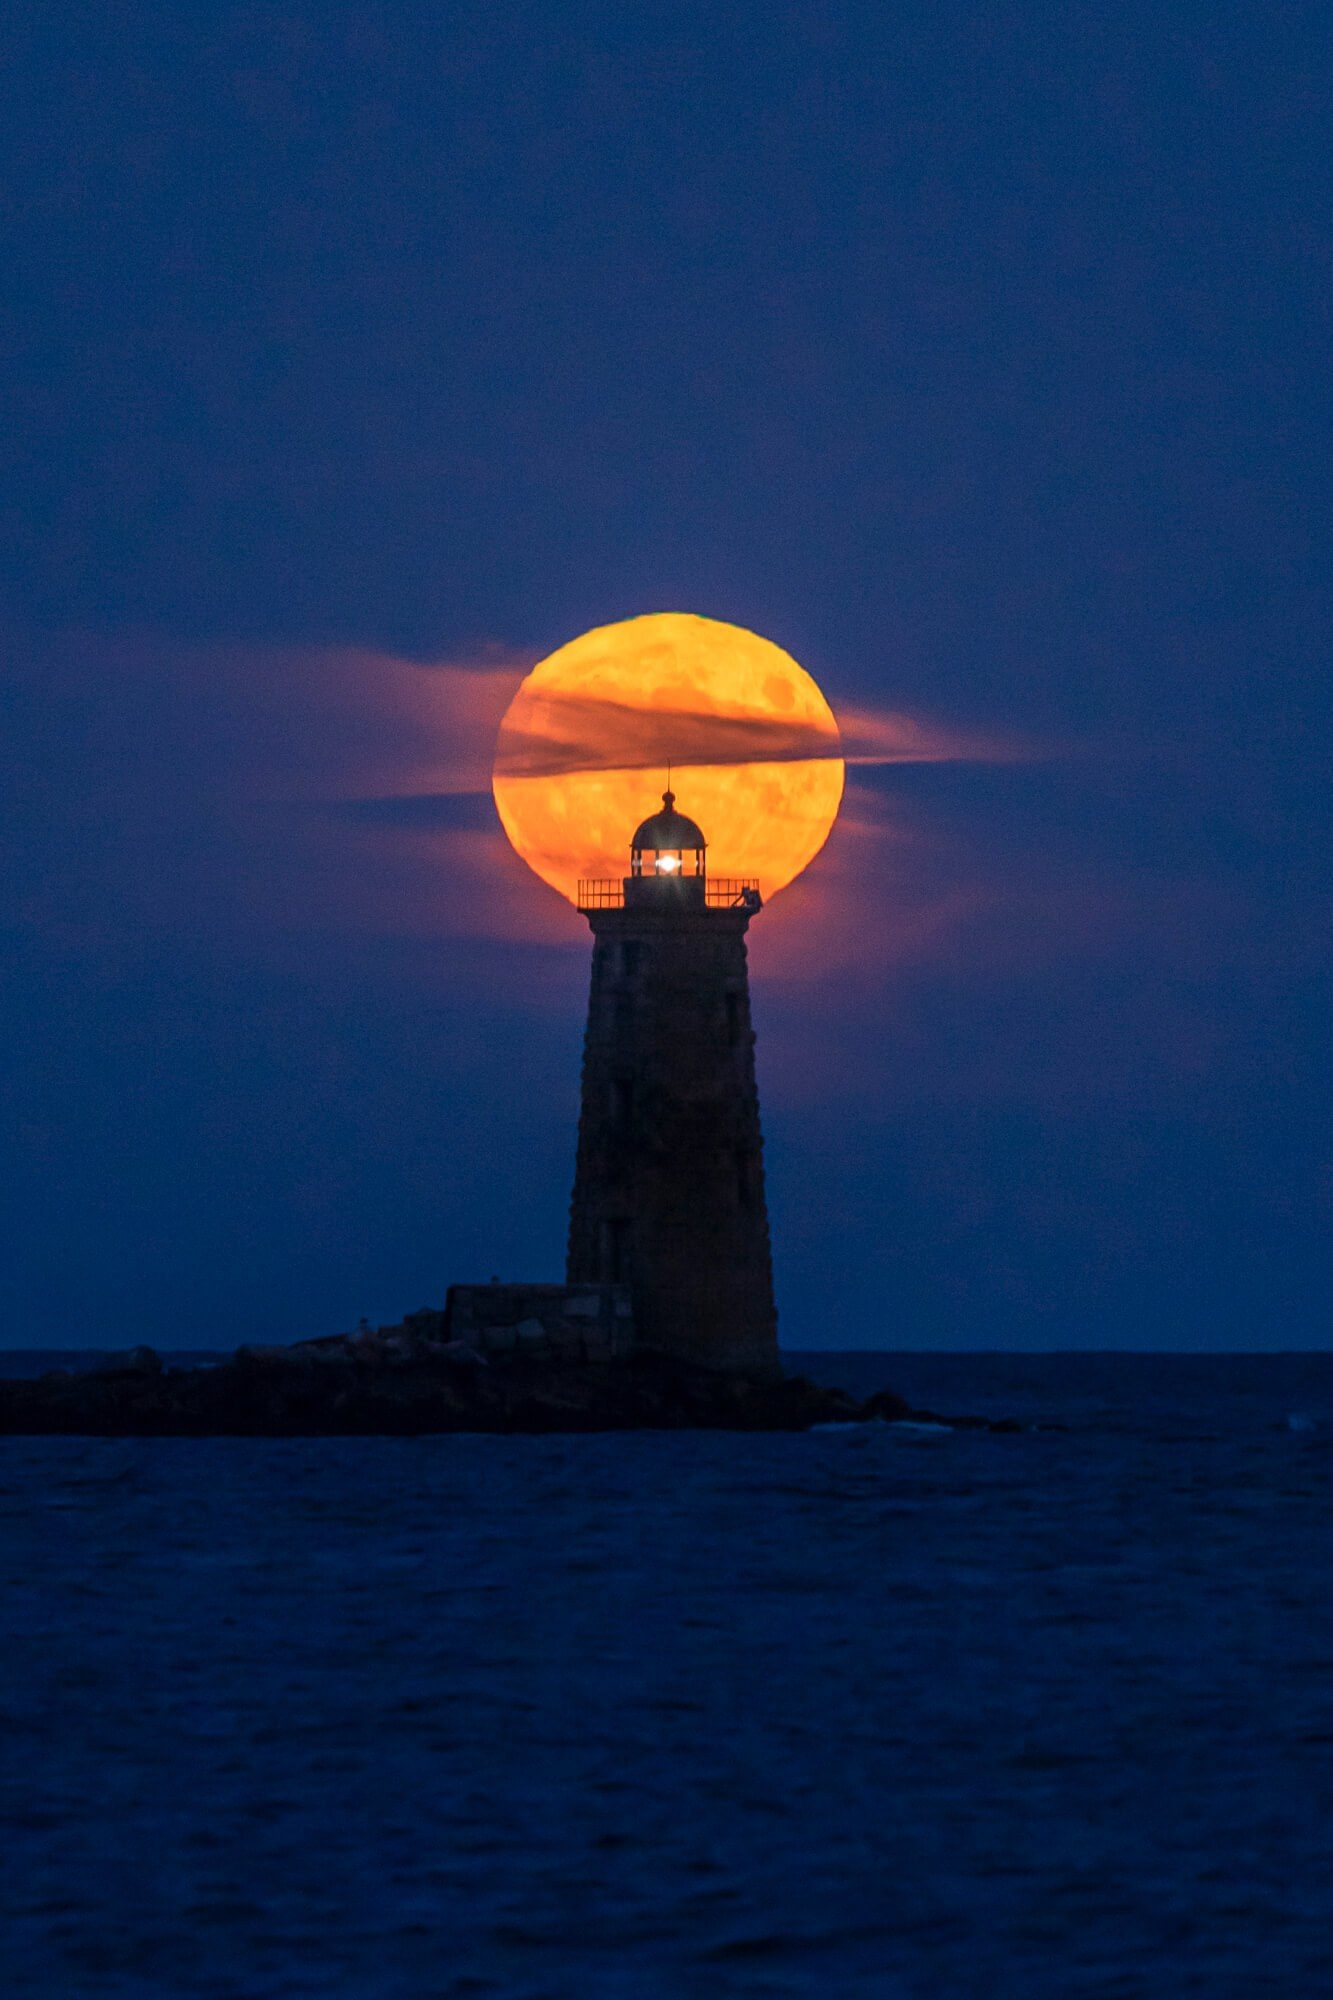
pixel 426 1323
pixel 887 1406
pixel 134 1361
pixel 457 1354
pixel 305 1355
pixel 400 1383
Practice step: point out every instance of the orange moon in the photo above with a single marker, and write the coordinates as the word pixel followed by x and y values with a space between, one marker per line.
pixel 754 750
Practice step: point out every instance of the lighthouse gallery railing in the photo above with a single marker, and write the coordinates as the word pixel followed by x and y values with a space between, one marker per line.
pixel 721 892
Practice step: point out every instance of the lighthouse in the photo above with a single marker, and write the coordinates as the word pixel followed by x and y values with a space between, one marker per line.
pixel 669 1180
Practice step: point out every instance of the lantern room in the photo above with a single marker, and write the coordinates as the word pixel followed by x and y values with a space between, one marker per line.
pixel 668 871
pixel 668 844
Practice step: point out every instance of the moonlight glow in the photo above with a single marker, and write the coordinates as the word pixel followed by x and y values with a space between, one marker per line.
pixel 583 748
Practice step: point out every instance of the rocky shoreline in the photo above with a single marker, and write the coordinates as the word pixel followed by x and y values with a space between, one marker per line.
pixel 389 1384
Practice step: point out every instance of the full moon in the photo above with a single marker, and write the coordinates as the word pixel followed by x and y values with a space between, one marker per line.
pixel 584 746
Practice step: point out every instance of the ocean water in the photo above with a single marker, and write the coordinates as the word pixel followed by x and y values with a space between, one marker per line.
pixel 865 1712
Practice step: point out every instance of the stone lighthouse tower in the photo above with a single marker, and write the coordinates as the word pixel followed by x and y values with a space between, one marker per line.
pixel 669 1184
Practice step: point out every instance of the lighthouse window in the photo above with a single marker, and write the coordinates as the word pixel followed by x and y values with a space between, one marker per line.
pixel 733 1019
pixel 622 1105
pixel 631 955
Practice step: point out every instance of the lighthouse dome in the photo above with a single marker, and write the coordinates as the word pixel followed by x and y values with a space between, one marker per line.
pixel 668 831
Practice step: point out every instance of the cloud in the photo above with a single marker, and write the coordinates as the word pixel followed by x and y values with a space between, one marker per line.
pixel 888 736
pixel 564 733
pixel 254 798
pixel 267 798
pixel 888 891
pixel 567 733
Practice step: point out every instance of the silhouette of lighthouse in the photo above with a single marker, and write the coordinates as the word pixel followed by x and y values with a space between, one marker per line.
pixel 669 1182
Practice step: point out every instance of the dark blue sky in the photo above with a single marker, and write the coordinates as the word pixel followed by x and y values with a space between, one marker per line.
pixel 977 354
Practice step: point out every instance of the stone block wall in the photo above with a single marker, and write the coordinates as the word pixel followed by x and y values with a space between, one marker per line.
pixel 669 1191
pixel 548 1322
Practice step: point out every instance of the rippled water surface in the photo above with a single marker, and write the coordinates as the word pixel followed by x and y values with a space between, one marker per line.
pixel 859 1713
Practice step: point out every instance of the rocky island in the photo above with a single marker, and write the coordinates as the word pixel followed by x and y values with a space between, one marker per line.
pixel 416 1378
